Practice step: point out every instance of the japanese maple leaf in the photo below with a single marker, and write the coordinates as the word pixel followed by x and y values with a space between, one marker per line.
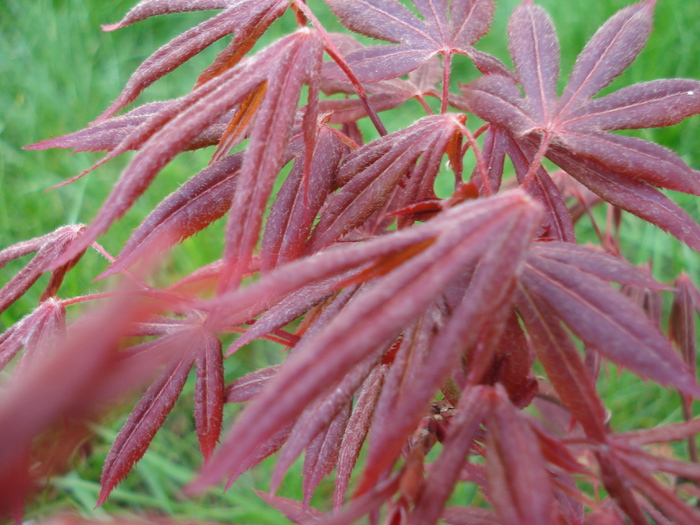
pixel 573 130
pixel 248 19
pixel 196 347
pixel 418 39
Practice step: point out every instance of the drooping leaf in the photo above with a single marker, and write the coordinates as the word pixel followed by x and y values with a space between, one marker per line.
pixel 371 173
pixel 564 367
pixel 299 200
pixel 355 433
pixel 682 321
pixel 187 347
pixel 322 453
pixel 607 321
pixel 515 467
pixel 466 232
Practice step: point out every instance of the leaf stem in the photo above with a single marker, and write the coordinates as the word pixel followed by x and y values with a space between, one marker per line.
pixel 424 103
pixel 446 72
pixel 480 165
pixel 537 161
pixel 338 58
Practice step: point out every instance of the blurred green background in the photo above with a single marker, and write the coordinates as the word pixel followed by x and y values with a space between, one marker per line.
pixel 58 71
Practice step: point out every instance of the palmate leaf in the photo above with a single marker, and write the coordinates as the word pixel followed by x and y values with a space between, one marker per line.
pixel 574 130
pixel 169 130
pixel 465 233
pixel 189 346
pixel 240 16
pixel 417 40
pixel 605 320
pixel 370 174
pixel 299 200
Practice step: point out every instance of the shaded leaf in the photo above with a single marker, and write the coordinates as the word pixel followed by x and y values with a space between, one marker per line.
pixel 299 200
pixel 514 466
pixel 370 174
pixel 266 147
pixel 355 433
pixel 444 473
pixel 564 367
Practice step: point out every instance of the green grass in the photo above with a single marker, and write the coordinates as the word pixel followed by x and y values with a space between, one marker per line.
pixel 58 71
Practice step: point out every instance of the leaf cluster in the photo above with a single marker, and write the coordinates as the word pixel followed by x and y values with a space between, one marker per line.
pixel 411 323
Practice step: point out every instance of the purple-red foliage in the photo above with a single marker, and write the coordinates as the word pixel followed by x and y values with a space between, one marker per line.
pixel 423 320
